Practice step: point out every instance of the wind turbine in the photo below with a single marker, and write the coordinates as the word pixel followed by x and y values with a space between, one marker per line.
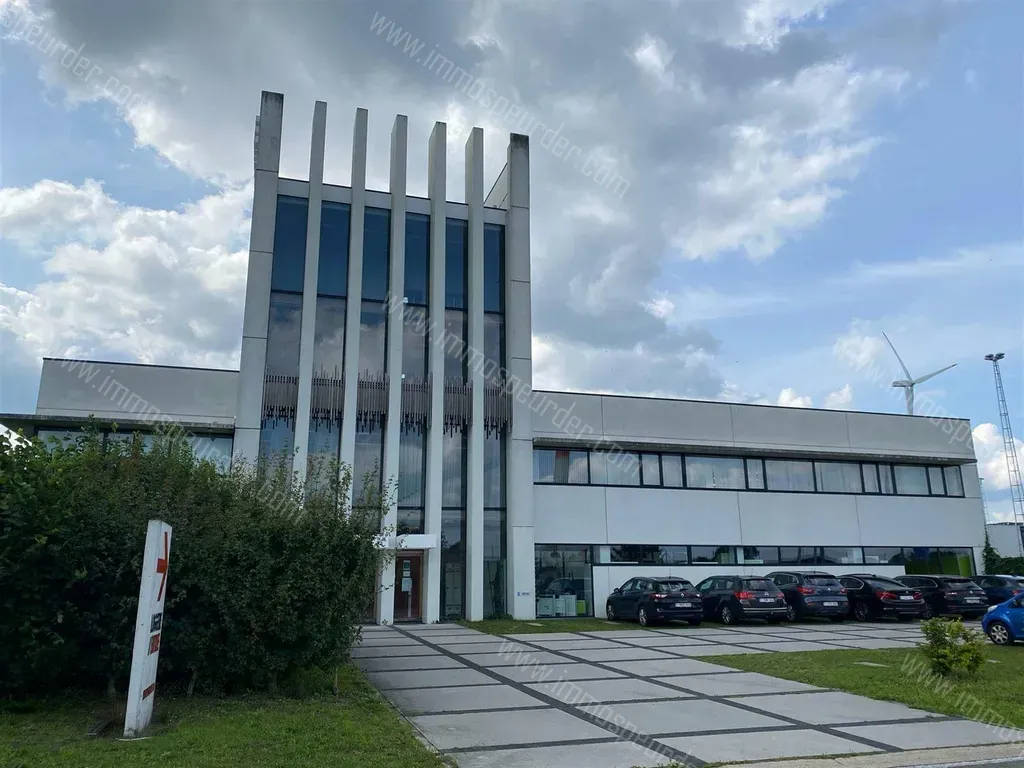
pixel 908 383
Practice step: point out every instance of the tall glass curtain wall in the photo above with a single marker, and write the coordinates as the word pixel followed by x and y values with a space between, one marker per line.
pixel 495 520
pixel 277 433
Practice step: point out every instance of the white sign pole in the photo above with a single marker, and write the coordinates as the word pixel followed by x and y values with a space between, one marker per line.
pixel 148 629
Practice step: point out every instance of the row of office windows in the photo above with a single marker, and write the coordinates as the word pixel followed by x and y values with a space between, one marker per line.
pixel 214 448
pixel 671 470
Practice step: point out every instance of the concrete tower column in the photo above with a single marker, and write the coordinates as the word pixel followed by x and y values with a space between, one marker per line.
pixel 519 363
pixel 475 341
pixel 436 185
pixel 353 304
pixel 253 362
pixel 396 293
pixel 307 328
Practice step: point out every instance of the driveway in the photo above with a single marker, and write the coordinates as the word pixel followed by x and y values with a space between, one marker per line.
pixel 628 697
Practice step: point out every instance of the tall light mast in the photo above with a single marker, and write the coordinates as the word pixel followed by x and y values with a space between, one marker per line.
pixel 1009 447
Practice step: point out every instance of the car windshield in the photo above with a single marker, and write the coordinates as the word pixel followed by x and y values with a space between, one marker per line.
pixel 960 585
pixel 760 584
pixel 675 586
pixel 885 584
pixel 822 581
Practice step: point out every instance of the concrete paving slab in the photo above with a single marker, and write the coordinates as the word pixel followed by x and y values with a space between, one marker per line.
pixel 619 634
pixel 761 629
pixel 595 691
pixel 389 664
pixel 662 641
pixel 656 717
pixel 449 638
pixel 363 652
pixel 427 678
pixel 811 636
pixel 765 745
pixel 792 646
pixel 513 658
pixel 707 629
pixel 951 733
pixel 459 699
pixel 893 634
pixel 550 636
pixel 471 648
pixel 832 707
pixel 416 628
pixel 665 667
pixel 737 684
pixel 710 650
pixel 551 672
pixel 483 729
pixel 619 754
pixel 619 654
pixel 870 642
pixel 574 645
pixel 369 642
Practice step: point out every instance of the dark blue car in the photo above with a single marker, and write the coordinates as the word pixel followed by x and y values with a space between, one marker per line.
pixel 999 589
pixel 1004 623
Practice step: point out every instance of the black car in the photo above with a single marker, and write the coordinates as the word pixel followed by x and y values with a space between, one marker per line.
pixel 649 600
pixel 999 589
pixel 948 595
pixel 873 596
pixel 812 593
pixel 731 598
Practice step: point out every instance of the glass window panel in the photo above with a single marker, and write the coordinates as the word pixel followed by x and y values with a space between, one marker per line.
pixel 289 260
pixel 838 477
pixel 623 469
pixel 563 572
pixel 755 474
pixel 455 351
pixel 761 555
pixel 494 469
pixel 720 555
pixel 283 334
pixel 599 467
pixel 54 438
pixel 576 467
pixel 453 470
pixel 885 479
pixel 376 236
pixel 649 554
pixel 911 480
pixel 494 349
pixel 651 469
pixel 414 343
pixel 410 520
pixel 543 465
pixel 372 338
pixel 329 338
pixel 883 556
pixel 956 561
pixel 789 475
pixel 935 481
pixel 494 261
pixel 456 254
pixel 842 555
pixel 411 463
pixel 798 556
pixel 367 461
pixel 672 470
pixel 322 450
pixel 870 473
pixel 417 257
pixel 954 481
pixel 277 442
pixel 453 562
pixel 495 557
pixel 212 448
pixel 332 266
pixel 714 472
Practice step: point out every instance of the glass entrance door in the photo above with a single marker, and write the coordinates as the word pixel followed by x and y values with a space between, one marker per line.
pixel 407 586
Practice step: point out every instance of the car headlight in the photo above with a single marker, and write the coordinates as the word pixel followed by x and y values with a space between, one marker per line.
pixel 991 608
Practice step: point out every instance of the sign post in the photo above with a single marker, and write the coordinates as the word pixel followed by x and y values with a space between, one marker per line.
pixel 148 628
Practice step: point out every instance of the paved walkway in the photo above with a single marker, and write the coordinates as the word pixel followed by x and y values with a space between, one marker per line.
pixel 631 697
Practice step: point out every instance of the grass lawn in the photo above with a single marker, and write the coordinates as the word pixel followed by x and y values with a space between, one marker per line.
pixel 512 626
pixel 355 729
pixel 996 692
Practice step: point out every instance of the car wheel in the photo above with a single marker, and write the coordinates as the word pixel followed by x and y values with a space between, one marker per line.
pixel 929 612
pixel 725 615
pixel 642 617
pixel 861 612
pixel 838 619
pixel 693 622
pixel 790 613
pixel 610 613
pixel 999 633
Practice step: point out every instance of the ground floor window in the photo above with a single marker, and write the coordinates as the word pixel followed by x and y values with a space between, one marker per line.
pixel 453 563
pixel 957 561
pixel 564 580
pixel 495 551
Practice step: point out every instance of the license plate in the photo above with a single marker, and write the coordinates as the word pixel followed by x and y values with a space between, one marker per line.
pixel 906 597
pixel 831 605
pixel 766 600
pixel 973 599
pixel 684 605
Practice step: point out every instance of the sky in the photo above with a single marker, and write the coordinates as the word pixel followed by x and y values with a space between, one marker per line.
pixel 792 178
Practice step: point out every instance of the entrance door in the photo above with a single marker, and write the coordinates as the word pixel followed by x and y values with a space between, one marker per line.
pixel 407 586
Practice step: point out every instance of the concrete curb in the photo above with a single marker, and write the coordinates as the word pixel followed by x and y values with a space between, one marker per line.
pixel 918 757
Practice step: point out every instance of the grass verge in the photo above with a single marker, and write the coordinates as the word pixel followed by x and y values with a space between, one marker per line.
pixel 540 626
pixel 355 729
pixel 994 693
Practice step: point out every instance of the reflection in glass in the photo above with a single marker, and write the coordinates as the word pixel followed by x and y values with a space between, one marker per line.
pixel 870 472
pixel 456 258
pixel 954 481
pixel 289 260
pixel 755 474
pixel 935 481
pixel 842 556
pixel 494 349
pixel 714 472
pixel 367 462
pixel 789 475
pixel 332 267
pixel 411 464
pixel 720 555
pixel 883 556
pixel 838 476
pixel 798 555
pixel 417 257
pixel 372 338
pixel 329 337
pixel 376 237
pixel 564 582
pixel 622 468
pixel 455 353
pixel 911 480
pixel 494 469
pixel 322 452
pixel 494 260
pixel 672 470
pixel 453 563
pixel 453 470
pixel 283 334
pixel 651 469
pixel 414 343
pixel 494 563
pixel 885 481
pixel 410 520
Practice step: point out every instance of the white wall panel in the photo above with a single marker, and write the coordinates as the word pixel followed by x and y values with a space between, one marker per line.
pixel 789 428
pixel 569 515
pixel 920 521
pixel 667 421
pixel 667 516
pixel 911 435
pixel 565 415
pixel 811 519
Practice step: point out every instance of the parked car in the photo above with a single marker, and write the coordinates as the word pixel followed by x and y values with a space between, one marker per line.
pixel 812 593
pixel 873 596
pixel 948 595
pixel 1004 623
pixel 732 598
pixel 999 589
pixel 650 600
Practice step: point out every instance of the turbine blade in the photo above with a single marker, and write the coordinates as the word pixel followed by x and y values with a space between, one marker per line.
pixel 933 375
pixel 909 377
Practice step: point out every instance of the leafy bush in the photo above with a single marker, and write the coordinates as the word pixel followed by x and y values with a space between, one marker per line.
pixel 266 577
pixel 952 648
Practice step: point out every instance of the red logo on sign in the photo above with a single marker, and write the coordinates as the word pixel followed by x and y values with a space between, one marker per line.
pixel 154 643
pixel 161 567
pixel 149 689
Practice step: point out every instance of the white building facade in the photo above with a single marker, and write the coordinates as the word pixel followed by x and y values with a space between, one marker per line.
pixel 393 333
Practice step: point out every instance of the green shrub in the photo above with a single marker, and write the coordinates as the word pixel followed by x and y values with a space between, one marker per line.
pixel 952 648
pixel 266 577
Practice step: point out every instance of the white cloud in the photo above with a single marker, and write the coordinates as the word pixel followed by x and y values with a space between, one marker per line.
pixel 841 399
pixel 859 348
pixel 789 398
pixel 654 57
pixel 989 448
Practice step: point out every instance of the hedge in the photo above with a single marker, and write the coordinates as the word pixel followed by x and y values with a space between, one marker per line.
pixel 266 577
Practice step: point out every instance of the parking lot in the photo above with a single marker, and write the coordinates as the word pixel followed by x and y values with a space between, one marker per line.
pixel 630 697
